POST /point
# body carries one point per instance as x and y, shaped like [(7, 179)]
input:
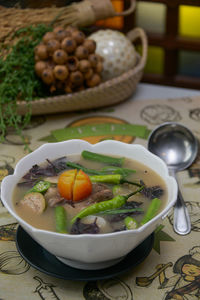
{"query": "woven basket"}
[(108, 93)]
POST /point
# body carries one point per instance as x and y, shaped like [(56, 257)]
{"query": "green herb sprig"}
[(18, 80)]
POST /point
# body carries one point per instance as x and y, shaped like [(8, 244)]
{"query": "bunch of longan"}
[(66, 60)]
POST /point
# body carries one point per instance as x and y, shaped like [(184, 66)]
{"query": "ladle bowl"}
[(178, 147)]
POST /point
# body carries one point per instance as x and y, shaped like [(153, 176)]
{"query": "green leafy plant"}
[(18, 80)]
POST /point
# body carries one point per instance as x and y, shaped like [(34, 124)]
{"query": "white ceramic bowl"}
[(88, 251)]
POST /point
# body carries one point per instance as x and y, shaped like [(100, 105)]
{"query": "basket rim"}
[(107, 84), (136, 70)]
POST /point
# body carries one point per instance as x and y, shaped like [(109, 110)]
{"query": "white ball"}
[(117, 50)]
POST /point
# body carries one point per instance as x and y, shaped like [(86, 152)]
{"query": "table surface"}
[(172, 269), (149, 91)]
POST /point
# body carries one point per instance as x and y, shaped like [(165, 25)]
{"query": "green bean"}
[(40, 187), (61, 219), (151, 211), (116, 161), (112, 178), (84, 169), (105, 170), (130, 223), (95, 208), (117, 170)]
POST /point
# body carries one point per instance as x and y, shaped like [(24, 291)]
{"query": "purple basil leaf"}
[(81, 228), (58, 165), (152, 192), (53, 168)]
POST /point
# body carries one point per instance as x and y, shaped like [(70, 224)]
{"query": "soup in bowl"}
[(89, 205)]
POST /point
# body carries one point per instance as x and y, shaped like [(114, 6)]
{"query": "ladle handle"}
[(182, 223)]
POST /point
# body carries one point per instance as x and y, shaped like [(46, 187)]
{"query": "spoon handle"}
[(182, 223)]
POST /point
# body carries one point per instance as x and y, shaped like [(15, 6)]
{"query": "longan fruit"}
[(57, 29), (84, 65), (90, 45), (60, 72), (68, 44), (71, 28), (60, 57), (50, 64), (81, 52), (47, 76), (52, 46), (88, 74), (40, 66), (99, 67), (93, 59), (41, 51), (60, 33), (94, 80), (72, 63), (76, 77), (48, 36), (79, 37)]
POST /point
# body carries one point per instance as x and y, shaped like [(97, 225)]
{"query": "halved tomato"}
[(66, 183), (82, 186), (74, 185)]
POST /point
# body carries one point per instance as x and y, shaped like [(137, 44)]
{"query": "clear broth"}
[(46, 220)]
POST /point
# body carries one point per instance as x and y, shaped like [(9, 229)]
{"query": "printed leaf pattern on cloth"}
[(160, 236)]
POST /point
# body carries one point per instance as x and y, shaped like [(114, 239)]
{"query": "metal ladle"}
[(178, 147)]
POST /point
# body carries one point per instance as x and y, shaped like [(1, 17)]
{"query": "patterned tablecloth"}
[(171, 271)]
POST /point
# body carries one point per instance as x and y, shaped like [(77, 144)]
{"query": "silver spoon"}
[(178, 147)]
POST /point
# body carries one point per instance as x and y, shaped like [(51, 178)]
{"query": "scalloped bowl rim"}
[(98, 147)]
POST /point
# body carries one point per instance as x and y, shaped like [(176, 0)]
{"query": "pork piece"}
[(53, 197), (52, 179), (100, 192)]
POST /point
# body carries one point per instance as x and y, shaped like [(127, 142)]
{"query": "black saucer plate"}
[(42, 260)]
